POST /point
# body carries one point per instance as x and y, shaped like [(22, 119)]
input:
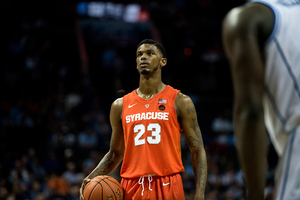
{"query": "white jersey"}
[(282, 76)]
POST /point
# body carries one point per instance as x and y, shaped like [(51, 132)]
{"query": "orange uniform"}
[(152, 138), (157, 187), (152, 135)]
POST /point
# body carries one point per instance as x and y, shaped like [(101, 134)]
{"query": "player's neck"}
[(149, 87)]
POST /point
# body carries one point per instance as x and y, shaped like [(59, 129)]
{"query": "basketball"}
[(103, 187)]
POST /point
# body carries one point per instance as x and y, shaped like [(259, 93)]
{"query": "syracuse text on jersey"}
[(147, 116)]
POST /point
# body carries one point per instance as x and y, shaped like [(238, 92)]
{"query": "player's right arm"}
[(117, 147), (245, 30)]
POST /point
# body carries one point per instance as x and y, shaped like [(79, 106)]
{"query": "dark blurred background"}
[(63, 63)]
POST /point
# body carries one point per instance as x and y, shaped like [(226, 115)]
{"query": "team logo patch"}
[(161, 107), (147, 105)]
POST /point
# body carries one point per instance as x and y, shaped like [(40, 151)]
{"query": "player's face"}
[(149, 59)]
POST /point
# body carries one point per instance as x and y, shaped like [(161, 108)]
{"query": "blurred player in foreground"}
[(146, 130), (262, 43)]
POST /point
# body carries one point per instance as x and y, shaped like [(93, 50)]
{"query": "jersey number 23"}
[(155, 137)]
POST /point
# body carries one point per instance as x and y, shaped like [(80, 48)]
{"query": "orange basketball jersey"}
[(152, 135)]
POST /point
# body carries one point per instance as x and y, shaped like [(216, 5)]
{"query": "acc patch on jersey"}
[(161, 107)]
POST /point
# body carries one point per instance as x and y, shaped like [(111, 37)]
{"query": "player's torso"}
[(282, 75), (152, 135)]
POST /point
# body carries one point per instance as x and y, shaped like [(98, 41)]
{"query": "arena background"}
[(64, 62)]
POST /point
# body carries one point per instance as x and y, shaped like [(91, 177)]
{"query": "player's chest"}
[(147, 111)]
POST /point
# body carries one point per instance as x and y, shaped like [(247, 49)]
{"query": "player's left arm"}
[(188, 118)]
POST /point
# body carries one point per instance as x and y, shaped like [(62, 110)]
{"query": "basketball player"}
[(146, 130), (262, 42)]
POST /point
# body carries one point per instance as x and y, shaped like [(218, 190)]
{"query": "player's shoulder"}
[(118, 103), (248, 15), (116, 109), (182, 97), (183, 104), (182, 100), (253, 19)]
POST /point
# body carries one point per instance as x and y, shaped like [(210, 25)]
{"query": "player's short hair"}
[(155, 43)]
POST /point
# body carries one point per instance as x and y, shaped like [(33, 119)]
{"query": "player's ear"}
[(163, 62)]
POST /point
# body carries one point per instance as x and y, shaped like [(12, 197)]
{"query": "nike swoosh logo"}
[(164, 184), (132, 105)]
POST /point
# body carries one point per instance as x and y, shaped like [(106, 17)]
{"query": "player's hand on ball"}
[(84, 182)]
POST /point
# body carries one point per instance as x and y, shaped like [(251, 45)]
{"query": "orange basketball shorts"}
[(153, 187)]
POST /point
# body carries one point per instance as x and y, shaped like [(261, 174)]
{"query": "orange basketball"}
[(103, 187)]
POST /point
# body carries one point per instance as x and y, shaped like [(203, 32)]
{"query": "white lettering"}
[(143, 116), (154, 115), (160, 115), (137, 117), (127, 118), (147, 116), (166, 115)]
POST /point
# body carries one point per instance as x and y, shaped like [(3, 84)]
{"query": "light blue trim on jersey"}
[(277, 20), (288, 163), (287, 65), (290, 3), (294, 79), (275, 107)]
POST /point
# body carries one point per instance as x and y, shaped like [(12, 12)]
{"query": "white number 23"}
[(155, 134)]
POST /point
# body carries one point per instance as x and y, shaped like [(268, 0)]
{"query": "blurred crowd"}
[(54, 118)]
